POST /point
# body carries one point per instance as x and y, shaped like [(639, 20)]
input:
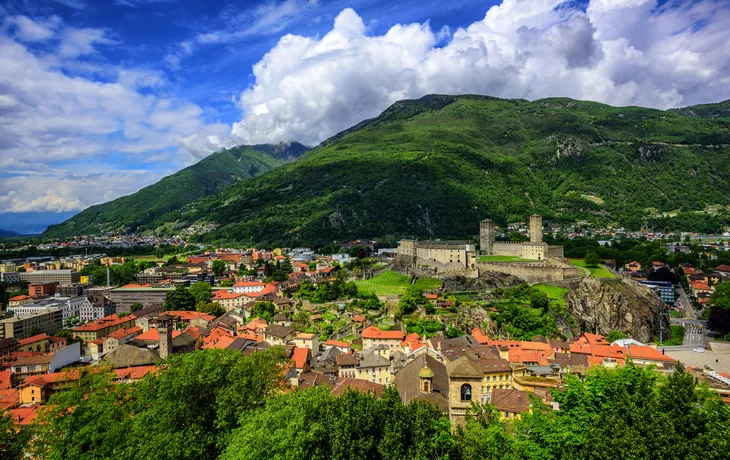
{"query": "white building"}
[(248, 286), (10, 277), (96, 307)]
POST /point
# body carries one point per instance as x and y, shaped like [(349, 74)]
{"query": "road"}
[(689, 312), (694, 335)]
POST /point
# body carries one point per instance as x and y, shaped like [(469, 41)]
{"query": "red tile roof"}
[(107, 321), (338, 343), (413, 341), (24, 415), (648, 353), (700, 286), (34, 338), (719, 268), (223, 295), (5, 380), (372, 332), (9, 398), (300, 356), (134, 373), (19, 297), (363, 386), (190, 315), (153, 335)]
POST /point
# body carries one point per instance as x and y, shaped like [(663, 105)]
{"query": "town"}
[(362, 318)]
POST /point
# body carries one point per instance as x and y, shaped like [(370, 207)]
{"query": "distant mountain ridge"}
[(436, 166), (7, 233), (141, 210)]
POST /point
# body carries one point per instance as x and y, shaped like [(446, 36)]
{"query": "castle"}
[(535, 249), (534, 261)]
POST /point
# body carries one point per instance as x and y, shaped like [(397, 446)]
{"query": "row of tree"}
[(220, 404)]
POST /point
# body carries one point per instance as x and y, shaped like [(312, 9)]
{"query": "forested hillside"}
[(141, 210), (438, 165)]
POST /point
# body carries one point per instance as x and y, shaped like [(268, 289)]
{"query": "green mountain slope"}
[(438, 165), (141, 210)]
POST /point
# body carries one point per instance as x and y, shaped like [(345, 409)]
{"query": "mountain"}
[(7, 233), (436, 166), (141, 210)]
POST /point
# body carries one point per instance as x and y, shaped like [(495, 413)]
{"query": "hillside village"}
[(342, 324)]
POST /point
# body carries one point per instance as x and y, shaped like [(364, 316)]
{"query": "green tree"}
[(412, 299), (614, 336), (721, 296), (218, 267), (136, 306), (453, 332), (13, 439), (263, 310), (180, 299), (592, 259), (213, 308), (539, 299), (202, 292)]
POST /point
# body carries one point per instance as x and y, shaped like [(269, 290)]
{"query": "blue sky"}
[(100, 98)]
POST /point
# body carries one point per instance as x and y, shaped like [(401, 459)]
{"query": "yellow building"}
[(510, 404), (497, 375)]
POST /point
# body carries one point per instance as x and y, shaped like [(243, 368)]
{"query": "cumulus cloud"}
[(69, 192), (620, 52), (78, 42)]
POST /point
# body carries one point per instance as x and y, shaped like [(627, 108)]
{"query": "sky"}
[(99, 98)]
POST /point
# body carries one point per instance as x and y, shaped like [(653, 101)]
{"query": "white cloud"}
[(79, 42), (69, 192), (619, 52), (28, 30)]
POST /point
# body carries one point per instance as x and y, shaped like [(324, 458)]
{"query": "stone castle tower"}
[(535, 229), (164, 328), (487, 236)]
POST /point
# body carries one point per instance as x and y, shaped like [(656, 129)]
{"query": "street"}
[(689, 312)]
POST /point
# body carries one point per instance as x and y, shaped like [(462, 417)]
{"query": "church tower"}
[(535, 229), (164, 328), (426, 379), (487, 235)]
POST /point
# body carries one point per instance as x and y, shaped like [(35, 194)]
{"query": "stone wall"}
[(531, 272), (507, 249), (556, 251)]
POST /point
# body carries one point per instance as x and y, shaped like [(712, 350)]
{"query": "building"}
[(372, 336), (278, 335), (19, 300), (7, 268), (96, 307), (10, 277), (442, 255), (22, 367), (48, 320), (43, 289), (249, 287), (307, 340), (497, 375), (49, 276), (148, 296), (465, 387), (535, 249), (510, 404), (101, 328), (664, 290)]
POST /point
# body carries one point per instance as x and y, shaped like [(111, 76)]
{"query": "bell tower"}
[(535, 229), (426, 378)]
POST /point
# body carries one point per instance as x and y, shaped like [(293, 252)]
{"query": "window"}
[(506, 415), (466, 392)]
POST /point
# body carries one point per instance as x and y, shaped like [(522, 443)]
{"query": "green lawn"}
[(504, 259), (677, 337), (554, 292), (392, 283), (596, 272)]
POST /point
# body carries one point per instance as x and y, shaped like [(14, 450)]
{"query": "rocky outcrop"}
[(486, 280), (601, 306)]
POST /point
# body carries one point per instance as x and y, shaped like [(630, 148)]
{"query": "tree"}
[(218, 267), (227, 283), (614, 336), (13, 439), (202, 292), (21, 269), (721, 295), (539, 299), (411, 300), (179, 299), (213, 308), (592, 259), (453, 332), (263, 310), (136, 306)]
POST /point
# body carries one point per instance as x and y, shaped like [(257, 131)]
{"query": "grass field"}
[(596, 272), (677, 337), (392, 283), (554, 292), (503, 259)]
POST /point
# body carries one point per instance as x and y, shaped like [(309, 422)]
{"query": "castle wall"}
[(556, 251), (531, 272), (507, 249)]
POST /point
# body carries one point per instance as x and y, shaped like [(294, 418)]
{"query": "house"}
[(343, 385), (307, 340), (281, 320), (23, 365), (510, 404), (96, 307), (278, 335), (103, 327), (301, 358), (119, 337), (374, 367), (229, 300), (412, 342), (7, 346), (39, 342), (347, 365), (344, 347), (19, 300), (372, 336), (700, 287), (643, 355), (497, 375)]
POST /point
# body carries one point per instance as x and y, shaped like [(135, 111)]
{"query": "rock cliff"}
[(601, 306), (486, 280)]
